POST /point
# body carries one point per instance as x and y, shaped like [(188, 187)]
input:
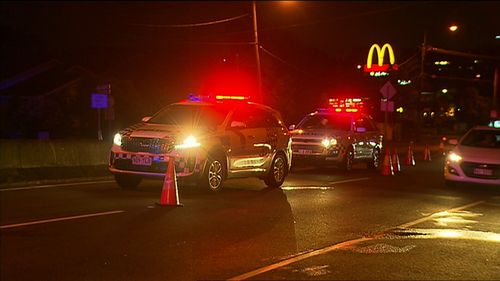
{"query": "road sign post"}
[(99, 101), (388, 91)]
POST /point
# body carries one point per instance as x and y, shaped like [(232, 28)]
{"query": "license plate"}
[(141, 160), (305, 151), (483, 172)]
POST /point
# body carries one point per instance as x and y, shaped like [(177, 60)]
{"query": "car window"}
[(189, 115), (248, 117), (270, 120), (364, 123), (331, 122), (482, 138)]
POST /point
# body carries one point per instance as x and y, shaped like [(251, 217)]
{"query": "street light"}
[(453, 27)]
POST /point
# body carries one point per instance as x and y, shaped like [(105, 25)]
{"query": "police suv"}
[(340, 134), (210, 138)]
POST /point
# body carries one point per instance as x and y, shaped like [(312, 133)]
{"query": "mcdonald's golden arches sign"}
[(380, 66)]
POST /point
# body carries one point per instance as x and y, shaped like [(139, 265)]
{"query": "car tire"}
[(214, 174), (127, 181), (374, 162), (277, 171), (348, 160)]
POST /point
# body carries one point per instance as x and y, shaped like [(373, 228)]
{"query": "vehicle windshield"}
[(329, 122), (482, 138), (190, 115)]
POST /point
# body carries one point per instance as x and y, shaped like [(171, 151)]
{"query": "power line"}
[(191, 24), (217, 43), (281, 60)]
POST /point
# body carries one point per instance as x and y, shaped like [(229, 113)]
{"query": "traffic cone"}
[(387, 164), (410, 159), (395, 161), (169, 194), (427, 153)]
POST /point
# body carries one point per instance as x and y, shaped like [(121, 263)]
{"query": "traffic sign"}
[(99, 100), (388, 90), (386, 106)]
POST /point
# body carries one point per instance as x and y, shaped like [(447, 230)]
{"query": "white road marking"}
[(341, 245), (438, 214), (60, 219), (313, 187), (302, 187), (349, 180), (54, 185), (299, 258)]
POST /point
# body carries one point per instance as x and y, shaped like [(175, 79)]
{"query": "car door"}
[(372, 135), (247, 135), (362, 128)]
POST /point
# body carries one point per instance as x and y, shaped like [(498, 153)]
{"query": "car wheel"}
[(127, 181), (374, 162), (214, 174), (277, 172), (348, 160)]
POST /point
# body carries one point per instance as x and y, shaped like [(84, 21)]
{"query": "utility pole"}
[(495, 87), (256, 42), (421, 81)]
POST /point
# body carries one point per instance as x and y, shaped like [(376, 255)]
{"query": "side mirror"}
[(238, 124), (146, 119), (453, 141), (292, 127), (360, 129)]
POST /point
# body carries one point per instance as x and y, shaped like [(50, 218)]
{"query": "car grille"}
[(314, 141), (150, 145), (181, 165), (471, 170), (314, 149)]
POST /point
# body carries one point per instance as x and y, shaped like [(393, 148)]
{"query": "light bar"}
[(220, 97), (350, 105)]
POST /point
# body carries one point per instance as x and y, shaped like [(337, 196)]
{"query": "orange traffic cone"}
[(169, 195), (427, 153), (410, 159), (395, 161), (387, 164)]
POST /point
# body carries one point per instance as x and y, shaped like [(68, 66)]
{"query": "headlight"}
[(117, 139), (328, 142), (454, 157), (189, 142)]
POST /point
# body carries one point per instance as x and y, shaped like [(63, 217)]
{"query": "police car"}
[(340, 134), (211, 139)]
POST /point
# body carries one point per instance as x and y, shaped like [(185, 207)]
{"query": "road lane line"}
[(349, 180), (306, 187), (60, 219), (317, 187), (299, 258), (406, 225), (341, 245), (54, 185)]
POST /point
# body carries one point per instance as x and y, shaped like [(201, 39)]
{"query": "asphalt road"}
[(323, 224)]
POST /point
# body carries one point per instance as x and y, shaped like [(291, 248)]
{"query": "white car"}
[(476, 157)]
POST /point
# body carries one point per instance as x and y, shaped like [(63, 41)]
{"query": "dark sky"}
[(148, 42)]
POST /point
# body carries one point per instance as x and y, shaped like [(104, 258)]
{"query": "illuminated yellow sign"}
[(380, 66)]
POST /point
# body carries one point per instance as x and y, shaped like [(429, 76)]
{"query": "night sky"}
[(167, 48)]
